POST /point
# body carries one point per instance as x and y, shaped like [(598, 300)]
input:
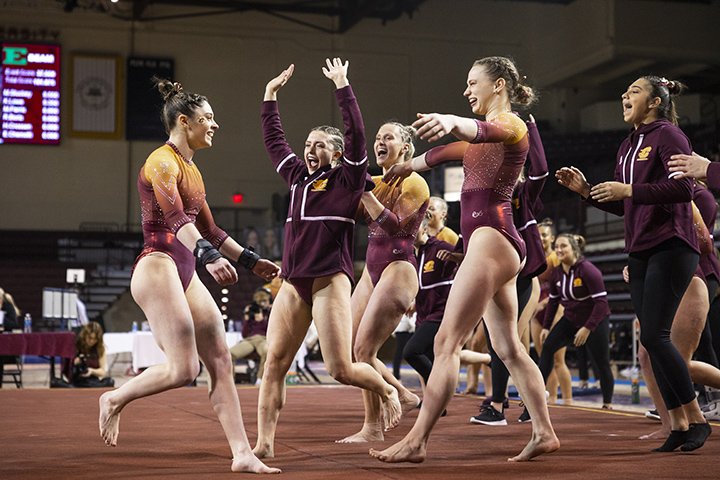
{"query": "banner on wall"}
[(142, 120), (96, 96)]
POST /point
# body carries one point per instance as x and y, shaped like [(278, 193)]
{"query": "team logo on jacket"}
[(319, 185), (643, 154), (429, 266), (578, 282)]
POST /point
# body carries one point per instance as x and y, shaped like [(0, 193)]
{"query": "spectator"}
[(254, 330), (90, 362), (270, 246)]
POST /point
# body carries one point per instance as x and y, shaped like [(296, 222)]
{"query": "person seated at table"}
[(10, 311), (10, 314), (254, 330), (90, 362)]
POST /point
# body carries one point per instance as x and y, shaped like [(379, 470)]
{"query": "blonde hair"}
[(503, 67), (577, 243), (407, 135)]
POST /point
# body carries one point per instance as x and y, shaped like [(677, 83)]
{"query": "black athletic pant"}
[(705, 351), (500, 374), (598, 345), (581, 354), (659, 277), (418, 350), (401, 338)]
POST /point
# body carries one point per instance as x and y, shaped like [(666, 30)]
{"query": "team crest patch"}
[(319, 185), (643, 154), (578, 282), (429, 266)]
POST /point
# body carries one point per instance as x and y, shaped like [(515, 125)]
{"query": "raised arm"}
[(286, 163), (355, 151)]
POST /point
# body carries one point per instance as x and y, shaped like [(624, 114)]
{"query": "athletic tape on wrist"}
[(205, 252), (248, 259)]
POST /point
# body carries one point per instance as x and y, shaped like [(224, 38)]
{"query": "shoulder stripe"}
[(357, 164), (280, 165), (524, 227), (539, 177)]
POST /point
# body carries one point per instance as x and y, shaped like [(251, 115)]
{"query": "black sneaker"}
[(652, 414), (524, 416), (489, 416)]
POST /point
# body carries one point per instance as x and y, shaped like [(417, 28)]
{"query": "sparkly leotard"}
[(391, 235), (172, 193), (491, 163)]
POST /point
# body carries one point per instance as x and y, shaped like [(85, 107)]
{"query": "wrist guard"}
[(205, 253), (248, 259)]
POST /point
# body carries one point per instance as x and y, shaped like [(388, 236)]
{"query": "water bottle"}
[(635, 390), (134, 327), (231, 326), (27, 323)]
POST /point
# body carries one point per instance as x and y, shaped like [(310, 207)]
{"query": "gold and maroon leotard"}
[(172, 193), (491, 163), (391, 235)]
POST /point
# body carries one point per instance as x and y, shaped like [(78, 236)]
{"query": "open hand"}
[(610, 191), (398, 171), (694, 166), (336, 71), (278, 82), (573, 179), (433, 126)]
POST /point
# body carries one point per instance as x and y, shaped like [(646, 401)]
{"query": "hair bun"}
[(167, 88)]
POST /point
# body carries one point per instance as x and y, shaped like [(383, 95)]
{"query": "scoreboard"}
[(30, 94)]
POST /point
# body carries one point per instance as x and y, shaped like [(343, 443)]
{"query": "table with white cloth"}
[(143, 348)]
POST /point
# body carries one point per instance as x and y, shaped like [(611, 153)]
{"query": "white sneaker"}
[(711, 411)]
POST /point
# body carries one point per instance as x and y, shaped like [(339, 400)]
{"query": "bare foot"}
[(109, 420), (400, 452), (659, 434), (369, 433), (249, 463), (263, 451), (470, 390), (409, 401), (392, 410), (537, 446)]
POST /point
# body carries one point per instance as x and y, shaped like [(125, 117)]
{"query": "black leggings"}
[(659, 277), (418, 350), (598, 345), (705, 351), (401, 338), (500, 374)]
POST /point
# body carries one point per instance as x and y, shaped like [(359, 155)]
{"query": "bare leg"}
[(477, 343), (391, 297), (210, 338), (524, 371), (527, 314), (290, 318), (331, 311), (562, 374), (157, 290), (470, 295), (474, 358)]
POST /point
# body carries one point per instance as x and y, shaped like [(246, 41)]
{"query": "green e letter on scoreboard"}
[(14, 56)]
